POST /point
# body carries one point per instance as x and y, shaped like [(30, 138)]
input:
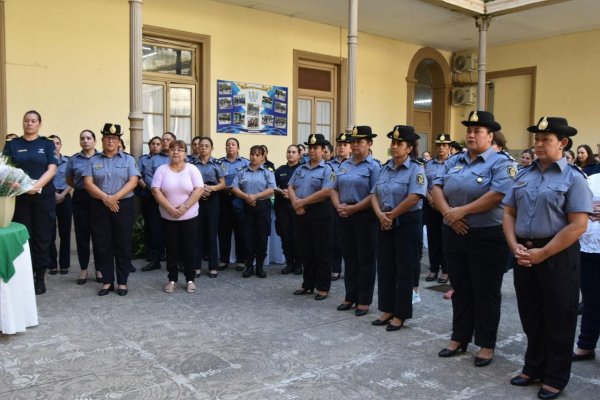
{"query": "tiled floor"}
[(251, 338)]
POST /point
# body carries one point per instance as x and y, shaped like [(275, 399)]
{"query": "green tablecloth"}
[(12, 239)]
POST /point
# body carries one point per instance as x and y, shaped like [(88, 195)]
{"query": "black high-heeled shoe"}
[(303, 291), (381, 322), (546, 394), (431, 277), (81, 281), (345, 306), (391, 327), (105, 291), (98, 277), (320, 297), (449, 353)]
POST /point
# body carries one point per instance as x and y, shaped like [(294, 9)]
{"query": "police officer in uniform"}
[(154, 223), (144, 191), (545, 213), (285, 216), (81, 203), (468, 195), (309, 191), (255, 185), (397, 201), (35, 209), (64, 215), (229, 217), (433, 218), (110, 178), (357, 225), (213, 176), (342, 150)]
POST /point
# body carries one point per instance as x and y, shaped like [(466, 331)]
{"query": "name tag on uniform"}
[(41, 151), (98, 166), (21, 150), (457, 168)]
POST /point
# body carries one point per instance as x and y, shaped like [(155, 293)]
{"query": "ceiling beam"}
[(467, 7), (503, 7)]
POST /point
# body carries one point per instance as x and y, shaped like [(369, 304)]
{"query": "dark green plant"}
[(139, 247)]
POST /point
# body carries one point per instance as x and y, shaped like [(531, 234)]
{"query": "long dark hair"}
[(590, 156)]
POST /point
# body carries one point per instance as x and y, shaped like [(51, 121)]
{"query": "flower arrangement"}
[(13, 181)]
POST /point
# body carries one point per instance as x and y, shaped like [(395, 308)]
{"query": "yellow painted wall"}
[(567, 81), (69, 60)]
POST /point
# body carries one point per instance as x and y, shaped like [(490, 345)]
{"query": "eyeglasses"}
[(177, 150)]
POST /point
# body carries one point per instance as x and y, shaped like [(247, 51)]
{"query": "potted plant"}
[(13, 182)]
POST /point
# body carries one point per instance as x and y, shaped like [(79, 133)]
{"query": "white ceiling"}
[(428, 24)]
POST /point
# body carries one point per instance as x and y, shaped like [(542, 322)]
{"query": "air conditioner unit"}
[(464, 95), (465, 62)]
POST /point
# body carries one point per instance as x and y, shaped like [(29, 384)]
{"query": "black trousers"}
[(153, 225), (434, 221), (64, 219), (256, 228), (113, 235), (83, 229), (590, 318), (229, 223), (548, 297), (315, 234), (207, 237), (357, 235), (397, 253), (37, 212), (476, 264), (181, 242), (417, 264), (285, 226), (336, 262)]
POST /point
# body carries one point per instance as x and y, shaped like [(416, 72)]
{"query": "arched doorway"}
[(428, 95)]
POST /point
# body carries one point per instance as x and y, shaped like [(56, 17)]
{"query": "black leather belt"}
[(534, 243)]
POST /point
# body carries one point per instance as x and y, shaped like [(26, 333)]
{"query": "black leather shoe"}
[(248, 272), (303, 291), (239, 268), (38, 283), (223, 266), (81, 281), (546, 394), (381, 322), (391, 327), (98, 278), (442, 280), (260, 273), (132, 268), (213, 274), (520, 380), (582, 357), (104, 292), (482, 362), (122, 292), (449, 353), (321, 296), (151, 266), (345, 306), (359, 313), (288, 269), (431, 278), (53, 271), (64, 271), (335, 276)]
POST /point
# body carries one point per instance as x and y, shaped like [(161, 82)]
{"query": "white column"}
[(352, 50), (483, 23), (3, 110), (136, 117)]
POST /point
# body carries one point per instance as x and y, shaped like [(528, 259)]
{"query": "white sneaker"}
[(190, 287), (170, 287), (416, 297)]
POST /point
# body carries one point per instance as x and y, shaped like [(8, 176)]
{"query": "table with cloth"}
[(18, 308)]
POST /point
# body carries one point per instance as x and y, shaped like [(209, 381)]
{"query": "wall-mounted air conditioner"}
[(464, 62), (464, 95)]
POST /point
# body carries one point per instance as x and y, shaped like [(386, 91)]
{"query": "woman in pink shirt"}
[(177, 186)]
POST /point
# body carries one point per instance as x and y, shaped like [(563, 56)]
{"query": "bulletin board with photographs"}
[(251, 108)]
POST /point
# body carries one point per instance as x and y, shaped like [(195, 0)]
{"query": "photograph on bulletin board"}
[(251, 108)]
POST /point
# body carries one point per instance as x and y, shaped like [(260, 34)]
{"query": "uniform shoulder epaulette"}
[(417, 161), (507, 155), (217, 161), (578, 169)]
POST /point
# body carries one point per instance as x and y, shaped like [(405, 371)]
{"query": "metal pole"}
[(482, 22), (136, 116), (352, 50)]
